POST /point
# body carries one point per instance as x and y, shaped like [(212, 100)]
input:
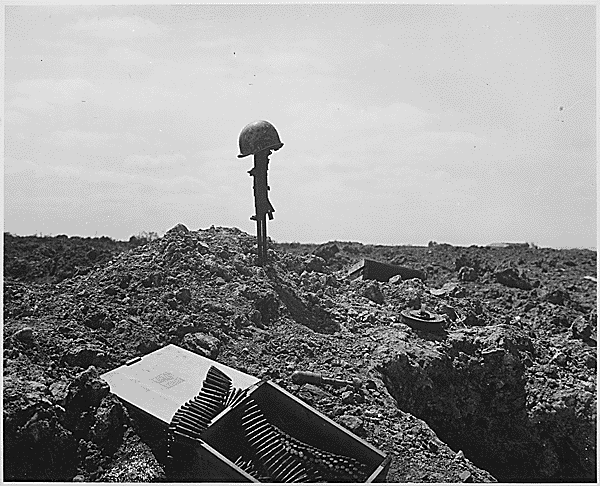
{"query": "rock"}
[(347, 397), (373, 293), (460, 456), (449, 311), (178, 228), (466, 477), (240, 321), (591, 361), (97, 320), (24, 335), (255, 317), (135, 464), (326, 251), (111, 290), (124, 281), (352, 423), (84, 355), (147, 345), (85, 393), (202, 344), (556, 296), (59, 390), (184, 295), (370, 385), (467, 274), (583, 329), (314, 263), (451, 289), (110, 418), (511, 278), (338, 410)]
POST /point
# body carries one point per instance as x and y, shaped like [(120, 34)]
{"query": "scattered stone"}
[(111, 290), (582, 328), (178, 228), (511, 278), (110, 418), (338, 410), (255, 317), (449, 311), (352, 423), (202, 344), (326, 251), (370, 385), (124, 281), (147, 344), (459, 456), (85, 392), (85, 355), (136, 463), (184, 295), (24, 335), (466, 477), (591, 361), (451, 289), (467, 274), (59, 390), (98, 320), (556, 296), (314, 263), (373, 293), (347, 397)]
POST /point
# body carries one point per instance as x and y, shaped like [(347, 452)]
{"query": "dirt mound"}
[(512, 375)]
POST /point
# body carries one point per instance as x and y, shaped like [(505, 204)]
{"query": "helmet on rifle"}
[(258, 136)]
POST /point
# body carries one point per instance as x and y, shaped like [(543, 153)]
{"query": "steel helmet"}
[(257, 136)]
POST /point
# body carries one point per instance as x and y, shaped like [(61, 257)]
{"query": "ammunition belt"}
[(194, 416), (279, 457)]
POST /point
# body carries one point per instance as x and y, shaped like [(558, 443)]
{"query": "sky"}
[(401, 124)]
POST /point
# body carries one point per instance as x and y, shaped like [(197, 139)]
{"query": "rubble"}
[(512, 278), (513, 376)]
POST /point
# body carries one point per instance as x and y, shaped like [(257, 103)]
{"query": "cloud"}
[(295, 61), (41, 94), (151, 95), (13, 117), (148, 162), (220, 42), (342, 117), (51, 176), (128, 57), (118, 27), (75, 138), (375, 48)]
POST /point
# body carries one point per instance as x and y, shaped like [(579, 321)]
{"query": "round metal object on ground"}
[(422, 319)]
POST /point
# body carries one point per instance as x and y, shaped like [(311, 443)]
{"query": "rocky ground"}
[(506, 392)]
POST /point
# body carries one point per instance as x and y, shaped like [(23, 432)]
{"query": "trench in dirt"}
[(481, 410)]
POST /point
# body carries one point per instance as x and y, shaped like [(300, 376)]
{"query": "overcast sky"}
[(401, 124)]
